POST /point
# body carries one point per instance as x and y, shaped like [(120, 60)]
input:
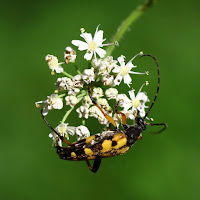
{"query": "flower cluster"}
[(103, 75)]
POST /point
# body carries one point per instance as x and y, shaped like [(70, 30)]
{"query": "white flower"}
[(117, 119), (92, 45), (55, 102), (64, 83), (54, 64), (137, 102), (96, 62), (97, 92), (73, 91), (103, 120), (78, 81), (108, 110), (64, 130), (55, 139), (71, 100), (52, 102), (108, 80), (83, 111), (124, 70), (88, 75), (69, 55), (82, 132), (87, 101), (94, 111), (122, 99), (111, 93), (102, 102), (107, 65)]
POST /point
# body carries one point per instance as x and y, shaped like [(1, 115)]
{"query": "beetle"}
[(108, 143)]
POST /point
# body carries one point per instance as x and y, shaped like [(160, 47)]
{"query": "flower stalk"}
[(80, 97), (133, 17), (66, 74)]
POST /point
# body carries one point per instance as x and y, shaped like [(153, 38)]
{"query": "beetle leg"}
[(61, 137), (96, 165), (109, 118), (160, 124)]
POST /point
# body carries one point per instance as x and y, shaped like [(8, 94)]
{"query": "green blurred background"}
[(165, 166)]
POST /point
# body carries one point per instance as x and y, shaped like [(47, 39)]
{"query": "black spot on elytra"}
[(114, 143)]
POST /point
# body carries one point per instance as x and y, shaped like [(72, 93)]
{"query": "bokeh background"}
[(165, 166)]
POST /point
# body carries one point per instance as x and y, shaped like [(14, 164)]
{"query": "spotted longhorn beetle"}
[(108, 143)]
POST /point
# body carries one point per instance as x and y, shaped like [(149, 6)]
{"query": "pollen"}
[(124, 70), (92, 46), (136, 103)]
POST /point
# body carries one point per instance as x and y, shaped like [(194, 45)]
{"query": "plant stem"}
[(80, 97), (77, 69), (135, 14), (66, 74), (61, 95), (83, 122), (67, 114)]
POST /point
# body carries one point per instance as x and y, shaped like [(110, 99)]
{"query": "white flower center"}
[(62, 129), (53, 63), (124, 70), (135, 103), (92, 46)]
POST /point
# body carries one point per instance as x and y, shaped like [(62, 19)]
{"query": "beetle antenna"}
[(158, 86), (60, 136)]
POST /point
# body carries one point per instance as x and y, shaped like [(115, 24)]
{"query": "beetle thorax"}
[(132, 132)]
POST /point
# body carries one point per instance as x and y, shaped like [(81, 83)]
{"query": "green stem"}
[(79, 97), (77, 69), (61, 95), (127, 23), (66, 74), (67, 114)]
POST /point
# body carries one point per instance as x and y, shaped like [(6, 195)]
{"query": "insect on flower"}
[(109, 143)]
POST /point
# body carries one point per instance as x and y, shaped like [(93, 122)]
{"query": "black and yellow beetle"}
[(108, 143)]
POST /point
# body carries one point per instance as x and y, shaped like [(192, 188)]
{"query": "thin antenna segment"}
[(158, 86)]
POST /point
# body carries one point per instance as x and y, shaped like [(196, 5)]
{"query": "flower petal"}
[(116, 69), (132, 94), (97, 29), (127, 79), (87, 37), (81, 45), (142, 96), (130, 65), (121, 60), (88, 55), (118, 79), (127, 105), (101, 52), (142, 111), (71, 130), (58, 69), (98, 38), (45, 109)]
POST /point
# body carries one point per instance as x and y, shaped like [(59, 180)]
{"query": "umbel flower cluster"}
[(103, 74)]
